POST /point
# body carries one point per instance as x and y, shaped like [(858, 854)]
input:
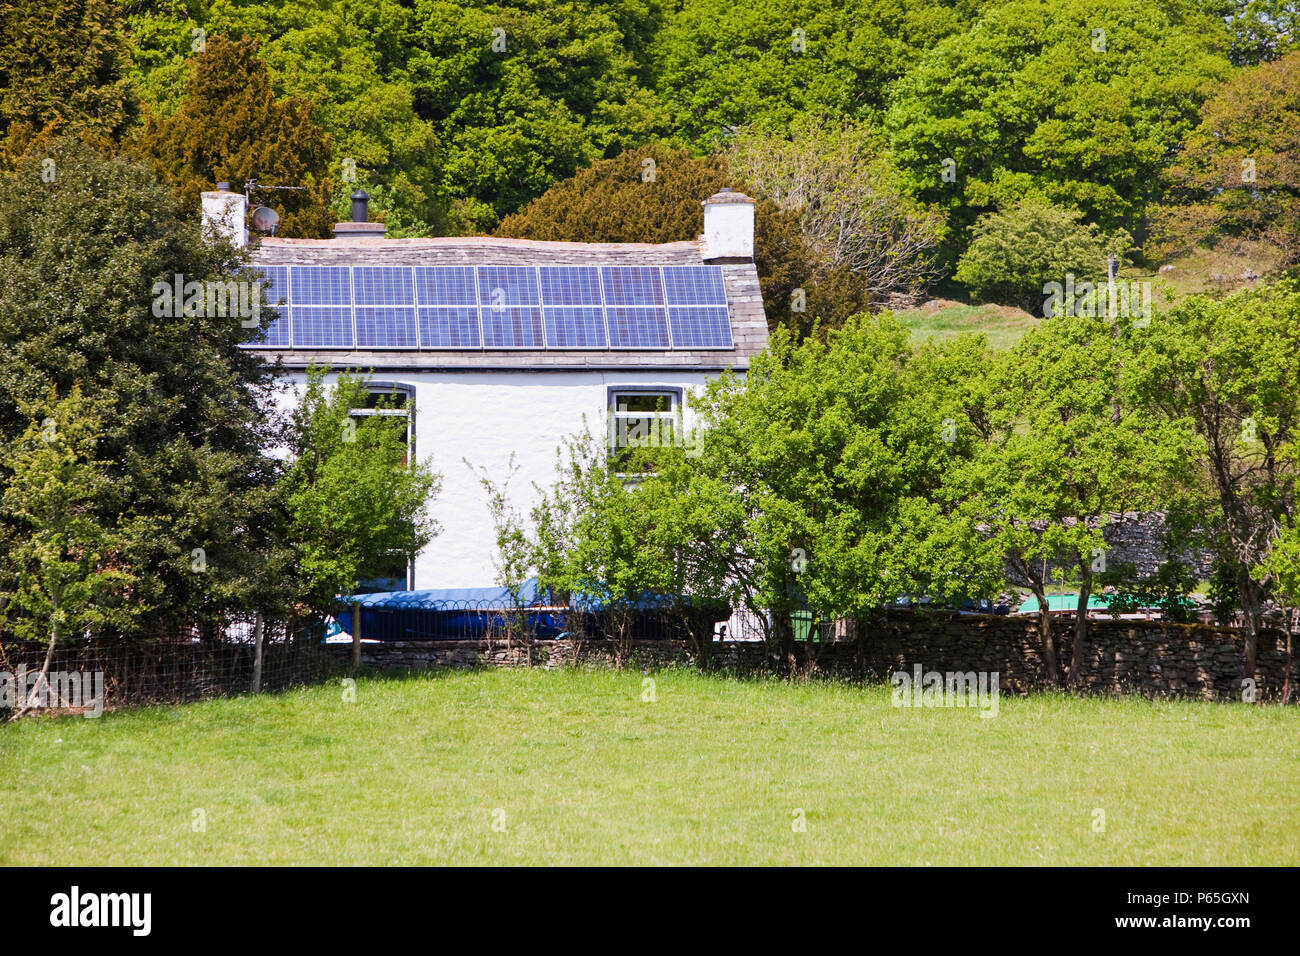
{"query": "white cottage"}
[(501, 347)]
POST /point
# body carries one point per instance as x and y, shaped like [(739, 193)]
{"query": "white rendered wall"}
[(484, 417)]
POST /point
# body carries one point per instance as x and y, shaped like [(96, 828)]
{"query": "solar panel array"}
[(497, 307)]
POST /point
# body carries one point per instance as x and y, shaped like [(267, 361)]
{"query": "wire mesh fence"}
[(89, 674)]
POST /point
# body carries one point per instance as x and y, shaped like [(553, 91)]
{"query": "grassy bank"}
[(575, 767)]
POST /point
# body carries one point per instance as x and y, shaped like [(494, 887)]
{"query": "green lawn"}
[(711, 771), (943, 319)]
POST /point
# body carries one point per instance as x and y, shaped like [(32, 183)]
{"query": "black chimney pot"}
[(360, 206)]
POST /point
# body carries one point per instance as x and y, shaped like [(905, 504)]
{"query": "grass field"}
[(943, 319), (575, 767)]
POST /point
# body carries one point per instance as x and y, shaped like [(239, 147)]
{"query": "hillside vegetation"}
[(884, 136)]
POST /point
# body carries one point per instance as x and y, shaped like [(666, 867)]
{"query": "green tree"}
[(719, 69), (347, 58), (1227, 370), (597, 541), (1280, 573), (523, 94), (1166, 589), (1262, 30), (231, 126), (1013, 254), (160, 36), (1034, 100), (516, 552), (1282, 565), (186, 410), (815, 485), (351, 498), (66, 568), (1238, 172), (1063, 442), (62, 68)]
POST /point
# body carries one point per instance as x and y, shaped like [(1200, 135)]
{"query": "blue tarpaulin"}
[(440, 599), (450, 613), (473, 613)]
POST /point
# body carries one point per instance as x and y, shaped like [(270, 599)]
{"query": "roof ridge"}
[(472, 241)]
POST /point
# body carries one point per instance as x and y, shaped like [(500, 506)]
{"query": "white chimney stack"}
[(225, 216), (728, 227)]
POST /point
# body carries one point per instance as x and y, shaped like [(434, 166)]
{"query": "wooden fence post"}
[(356, 635), (258, 632)]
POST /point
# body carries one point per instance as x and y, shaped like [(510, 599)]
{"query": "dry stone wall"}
[(1153, 658), (1138, 537)]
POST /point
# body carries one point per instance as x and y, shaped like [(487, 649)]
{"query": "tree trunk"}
[(356, 635), (1250, 612), (621, 620), (1080, 623), (43, 677), (1045, 629), (1286, 677), (784, 634), (258, 641), (701, 634)]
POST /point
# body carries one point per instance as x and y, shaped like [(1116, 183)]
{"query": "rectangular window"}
[(639, 419), (395, 404)]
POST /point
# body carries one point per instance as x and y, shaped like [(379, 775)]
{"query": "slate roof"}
[(744, 301)]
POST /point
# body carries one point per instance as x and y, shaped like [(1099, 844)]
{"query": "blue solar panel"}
[(694, 285), (512, 328), (445, 285), (637, 328), (455, 328), (576, 327), (277, 331), (522, 307), (632, 285), (383, 285), (273, 282), (570, 285), (700, 327), (386, 327), (507, 285), (274, 285), (322, 327), (321, 285)]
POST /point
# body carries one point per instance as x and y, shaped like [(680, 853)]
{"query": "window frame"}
[(674, 414), (407, 411)]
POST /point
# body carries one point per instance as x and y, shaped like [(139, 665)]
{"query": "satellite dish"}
[(265, 219)]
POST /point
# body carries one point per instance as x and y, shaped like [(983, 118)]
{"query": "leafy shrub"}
[(1014, 253)]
